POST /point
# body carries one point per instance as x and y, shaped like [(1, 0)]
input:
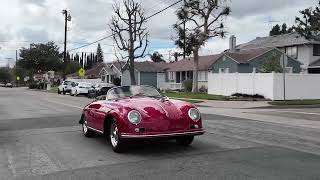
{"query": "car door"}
[(96, 115)]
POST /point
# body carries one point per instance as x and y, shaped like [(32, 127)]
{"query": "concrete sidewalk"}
[(234, 104)]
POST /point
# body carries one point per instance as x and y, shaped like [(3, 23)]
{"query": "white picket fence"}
[(270, 85)]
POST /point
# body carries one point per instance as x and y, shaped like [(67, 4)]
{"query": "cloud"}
[(42, 20)]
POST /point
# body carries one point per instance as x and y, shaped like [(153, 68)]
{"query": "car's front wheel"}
[(86, 131), (184, 140), (115, 140)]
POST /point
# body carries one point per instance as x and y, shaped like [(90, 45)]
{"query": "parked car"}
[(65, 87), (80, 88), (140, 112), (99, 89), (2, 84), (9, 85)]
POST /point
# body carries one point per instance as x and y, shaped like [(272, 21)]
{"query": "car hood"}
[(156, 108)]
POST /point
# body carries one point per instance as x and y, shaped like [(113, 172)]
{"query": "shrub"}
[(257, 96), (117, 81), (188, 85), (203, 89), (41, 85), (33, 86)]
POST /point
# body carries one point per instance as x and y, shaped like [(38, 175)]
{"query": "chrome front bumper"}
[(162, 135)]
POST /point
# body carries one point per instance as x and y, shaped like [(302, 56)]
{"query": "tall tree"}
[(99, 53), (203, 20), (72, 67), (308, 25), (272, 65), (157, 57), (129, 32), (40, 57), (275, 30), (5, 75)]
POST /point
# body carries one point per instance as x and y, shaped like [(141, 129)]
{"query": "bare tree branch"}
[(129, 31)]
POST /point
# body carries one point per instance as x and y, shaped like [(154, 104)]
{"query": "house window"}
[(292, 51), (103, 78), (178, 80), (108, 81), (171, 76), (316, 49), (202, 76), (223, 70)]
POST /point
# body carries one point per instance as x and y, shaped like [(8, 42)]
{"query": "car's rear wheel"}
[(115, 140), (86, 131), (184, 140)]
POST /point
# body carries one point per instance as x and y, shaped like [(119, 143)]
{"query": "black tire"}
[(85, 130), (63, 92), (117, 146), (184, 140)]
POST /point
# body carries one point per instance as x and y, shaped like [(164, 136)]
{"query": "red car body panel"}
[(160, 118)]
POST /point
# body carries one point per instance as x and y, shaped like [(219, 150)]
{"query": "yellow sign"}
[(18, 78), (82, 72)]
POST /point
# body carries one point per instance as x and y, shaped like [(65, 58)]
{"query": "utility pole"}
[(184, 39), (284, 76), (67, 17)]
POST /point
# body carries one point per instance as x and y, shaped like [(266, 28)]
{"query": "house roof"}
[(244, 56), (149, 66), (277, 41), (315, 64), (187, 64), (95, 70)]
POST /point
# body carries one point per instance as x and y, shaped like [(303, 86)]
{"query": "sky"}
[(39, 21)]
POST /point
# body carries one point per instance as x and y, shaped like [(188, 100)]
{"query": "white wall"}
[(270, 85)]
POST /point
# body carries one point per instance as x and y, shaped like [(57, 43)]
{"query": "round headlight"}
[(194, 114), (134, 117)]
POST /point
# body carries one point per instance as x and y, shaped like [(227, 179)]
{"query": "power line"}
[(112, 35)]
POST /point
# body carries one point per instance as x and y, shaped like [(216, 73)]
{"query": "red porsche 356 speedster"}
[(140, 112)]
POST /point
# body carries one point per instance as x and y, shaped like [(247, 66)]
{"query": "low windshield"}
[(132, 91)]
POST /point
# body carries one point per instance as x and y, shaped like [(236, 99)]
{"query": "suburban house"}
[(104, 71), (252, 60), (110, 71), (146, 73), (182, 70), (297, 47)]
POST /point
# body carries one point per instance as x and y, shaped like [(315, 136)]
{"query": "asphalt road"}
[(40, 139)]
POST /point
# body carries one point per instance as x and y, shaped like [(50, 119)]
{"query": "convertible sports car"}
[(140, 112)]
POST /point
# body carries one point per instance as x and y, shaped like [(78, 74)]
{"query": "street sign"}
[(82, 72), (18, 78)]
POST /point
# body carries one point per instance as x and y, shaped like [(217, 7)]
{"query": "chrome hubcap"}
[(85, 128), (114, 135)]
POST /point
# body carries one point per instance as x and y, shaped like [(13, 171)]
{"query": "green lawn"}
[(295, 102), (189, 100), (185, 95)]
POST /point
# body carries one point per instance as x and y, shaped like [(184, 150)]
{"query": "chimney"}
[(232, 43)]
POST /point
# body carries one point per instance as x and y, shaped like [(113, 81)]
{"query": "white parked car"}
[(65, 87), (80, 88)]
